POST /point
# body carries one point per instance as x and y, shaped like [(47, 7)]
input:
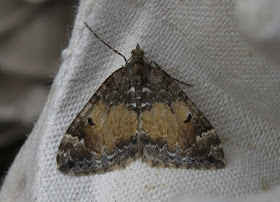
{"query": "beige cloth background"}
[(197, 42)]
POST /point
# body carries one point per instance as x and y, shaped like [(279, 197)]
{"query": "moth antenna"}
[(106, 43), (152, 62)]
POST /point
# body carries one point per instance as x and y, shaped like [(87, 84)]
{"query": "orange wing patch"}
[(187, 134), (99, 139), (167, 124), (110, 128), (179, 135)]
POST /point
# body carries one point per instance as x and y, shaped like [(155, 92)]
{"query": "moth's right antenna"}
[(106, 43)]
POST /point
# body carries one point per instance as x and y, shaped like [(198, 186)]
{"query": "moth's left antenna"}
[(106, 43)]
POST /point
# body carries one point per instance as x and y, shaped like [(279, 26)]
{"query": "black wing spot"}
[(189, 118), (90, 121)]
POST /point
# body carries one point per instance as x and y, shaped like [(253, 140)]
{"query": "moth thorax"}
[(137, 55)]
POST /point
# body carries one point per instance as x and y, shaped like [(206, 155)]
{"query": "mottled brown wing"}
[(174, 131), (104, 134)]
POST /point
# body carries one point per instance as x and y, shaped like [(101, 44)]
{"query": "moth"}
[(139, 111)]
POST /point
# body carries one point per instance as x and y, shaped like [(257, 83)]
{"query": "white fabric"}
[(194, 41)]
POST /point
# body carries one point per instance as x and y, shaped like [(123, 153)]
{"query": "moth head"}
[(137, 54)]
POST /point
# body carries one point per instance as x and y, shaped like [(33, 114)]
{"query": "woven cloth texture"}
[(196, 42)]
